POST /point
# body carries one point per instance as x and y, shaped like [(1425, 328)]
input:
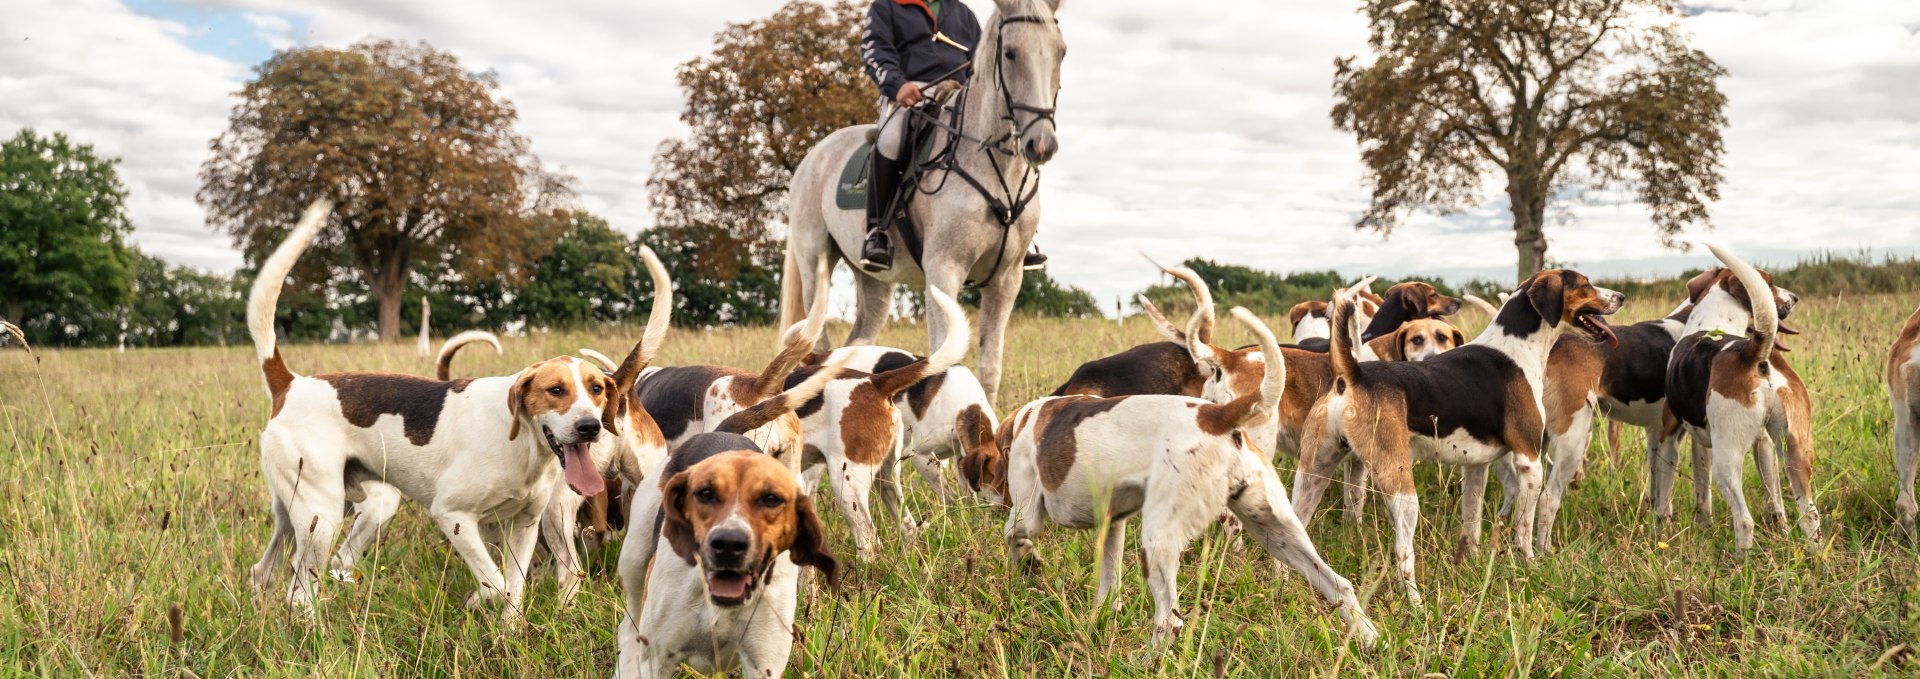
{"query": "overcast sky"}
[(1187, 128)]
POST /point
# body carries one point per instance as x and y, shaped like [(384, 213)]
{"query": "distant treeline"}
[(1265, 292)]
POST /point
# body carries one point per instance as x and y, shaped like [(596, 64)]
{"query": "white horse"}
[(975, 215)]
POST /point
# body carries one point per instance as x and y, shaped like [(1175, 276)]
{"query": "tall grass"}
[(130, 485)]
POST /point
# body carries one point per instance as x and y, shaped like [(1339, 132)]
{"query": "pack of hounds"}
[(720, 463)]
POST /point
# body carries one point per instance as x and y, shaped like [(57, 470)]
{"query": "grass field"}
[(130, 485)]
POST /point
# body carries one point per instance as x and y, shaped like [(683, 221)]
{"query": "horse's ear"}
[(1054, 5)]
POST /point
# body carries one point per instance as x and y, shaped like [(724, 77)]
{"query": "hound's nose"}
[(728, 547), (588, 429)]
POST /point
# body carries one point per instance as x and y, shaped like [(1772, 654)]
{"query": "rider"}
[(906, 44)]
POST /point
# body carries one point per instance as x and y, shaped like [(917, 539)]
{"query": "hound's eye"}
[(1417, 341), (706, 496), (771, 500), (597, 389), (558, 391)]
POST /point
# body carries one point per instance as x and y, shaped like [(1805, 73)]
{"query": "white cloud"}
[(1188, 129)]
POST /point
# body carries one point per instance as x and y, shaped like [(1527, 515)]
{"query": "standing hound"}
[(740, 527), (929, 410), (689, 400), (1903, 385), (1177, 461), (853, 431), (1470, 406), (1729, 384), (456, 447)]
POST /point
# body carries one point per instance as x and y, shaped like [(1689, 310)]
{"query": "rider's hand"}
[(908, 95)]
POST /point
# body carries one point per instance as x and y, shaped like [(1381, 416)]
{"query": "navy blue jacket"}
[(897, 46)]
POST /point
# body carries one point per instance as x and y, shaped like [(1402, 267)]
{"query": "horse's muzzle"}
[(1040, 147)]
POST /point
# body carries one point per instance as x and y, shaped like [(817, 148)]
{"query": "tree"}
[(1041, 295), (418, 154), (583, 280), (745, 293), (63, 218), (770, 90), (1555, 94)]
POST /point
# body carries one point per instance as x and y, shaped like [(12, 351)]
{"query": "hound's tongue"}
[(727, 584), (1600, 325), (582, 477)]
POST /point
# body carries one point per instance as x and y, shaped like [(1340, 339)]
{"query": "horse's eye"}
[(1010, 54), (557, 391), (706, 496), (772, 500)]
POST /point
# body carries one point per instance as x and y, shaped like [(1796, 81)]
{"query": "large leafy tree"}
[(770, 90), (1555, 95), (583, 280), (419, 155), (63, 220)]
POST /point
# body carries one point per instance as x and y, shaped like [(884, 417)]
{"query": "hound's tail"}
[(1482, 304), (784, 402), (266, 295), (951, 350), (1249, 407), (443, 366), (1203, 318), (605, 363), (1167, 329), (13, 331), (790, 300), (1345, 366), (1766, 313), (797, 341)]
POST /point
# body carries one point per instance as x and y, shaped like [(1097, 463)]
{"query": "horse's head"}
[(1026, 58)]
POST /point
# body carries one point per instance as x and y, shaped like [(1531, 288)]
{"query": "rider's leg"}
[(883, 181)]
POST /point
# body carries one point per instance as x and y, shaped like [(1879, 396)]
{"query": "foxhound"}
[(1176, 461), (929, 410), (1903, 386), (853, 431), (740, 529), (1728, 384), (482, 455), (1470, 407)]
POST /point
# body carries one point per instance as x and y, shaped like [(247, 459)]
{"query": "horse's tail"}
[(791, 305)]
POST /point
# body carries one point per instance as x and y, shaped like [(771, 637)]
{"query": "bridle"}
[(1011, 202)]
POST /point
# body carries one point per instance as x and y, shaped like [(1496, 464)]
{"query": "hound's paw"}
[(1165, 630), (346, 575)]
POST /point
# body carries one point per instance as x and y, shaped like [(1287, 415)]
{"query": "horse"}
[(970, 230)]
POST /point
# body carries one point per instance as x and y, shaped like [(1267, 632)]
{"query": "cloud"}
[(1187, 129)]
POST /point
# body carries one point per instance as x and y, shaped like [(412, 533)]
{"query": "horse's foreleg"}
[(996, 306), (876, 296)]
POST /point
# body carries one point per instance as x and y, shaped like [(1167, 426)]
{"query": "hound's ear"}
[(809, 546), (1697, 286), (1397, 345), (1294, 315), (674, 525), (516, 407), (1459, 338), (976, 431), (1549, 297)]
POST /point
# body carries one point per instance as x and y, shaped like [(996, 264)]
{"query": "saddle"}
[(856, 176)]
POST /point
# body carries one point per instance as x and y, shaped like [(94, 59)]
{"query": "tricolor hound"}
[(1471, 406), (1178, 462), (1729, 384), (740, 528), (481, 455), (929, 410)]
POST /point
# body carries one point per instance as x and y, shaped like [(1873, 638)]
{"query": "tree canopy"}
[(63, 221), (418, 154), (1553, 94)]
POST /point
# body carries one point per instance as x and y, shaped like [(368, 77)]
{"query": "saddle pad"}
[(851, 193)]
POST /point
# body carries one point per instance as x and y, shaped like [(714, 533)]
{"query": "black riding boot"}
[(883, 181)]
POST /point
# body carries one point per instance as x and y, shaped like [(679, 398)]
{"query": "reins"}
[(1012, 201)]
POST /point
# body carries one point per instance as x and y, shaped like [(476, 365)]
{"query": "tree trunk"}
[(14, 310), (1528, 196), (389, 286)]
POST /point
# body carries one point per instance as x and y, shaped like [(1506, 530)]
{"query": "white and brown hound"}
[(1903, 386), (853, 431), (1471, 407), (740, 529), (1729, 384), (482, 455), (929, 410), (1176, 461)]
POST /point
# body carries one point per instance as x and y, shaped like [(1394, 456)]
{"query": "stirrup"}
[(1033, 261)]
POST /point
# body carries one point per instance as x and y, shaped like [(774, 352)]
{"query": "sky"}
[(1186, 129)]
